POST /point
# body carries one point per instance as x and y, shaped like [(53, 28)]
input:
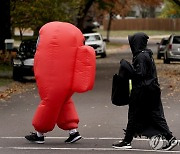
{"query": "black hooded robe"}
[(145, 115)]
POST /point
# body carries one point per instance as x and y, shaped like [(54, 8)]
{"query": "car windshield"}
[(164, 42), (27, 49), (176, 40), (92, 38)]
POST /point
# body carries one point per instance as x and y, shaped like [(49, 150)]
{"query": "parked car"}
[(172, 50), (24, 60), (161, 47), (96, 41)]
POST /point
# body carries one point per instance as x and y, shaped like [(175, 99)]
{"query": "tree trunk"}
[(109, 25), (5, 30), (152, 13), (81, 17), (21, 34)]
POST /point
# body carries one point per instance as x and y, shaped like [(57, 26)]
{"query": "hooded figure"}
[(145, 115)]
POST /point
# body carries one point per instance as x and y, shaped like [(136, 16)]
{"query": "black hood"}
[(138, 42)]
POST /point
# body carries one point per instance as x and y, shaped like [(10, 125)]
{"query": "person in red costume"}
[(62, 65)]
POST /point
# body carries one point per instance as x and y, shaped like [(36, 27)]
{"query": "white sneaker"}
[(171, 144)]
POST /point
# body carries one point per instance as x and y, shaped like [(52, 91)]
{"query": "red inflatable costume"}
[(63, 65)]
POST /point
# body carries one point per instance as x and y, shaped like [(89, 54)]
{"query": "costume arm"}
[(126, 69), (84, 71)]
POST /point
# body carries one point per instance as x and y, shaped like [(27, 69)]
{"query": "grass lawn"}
[(4, 68), (125, 33), (4, 82)]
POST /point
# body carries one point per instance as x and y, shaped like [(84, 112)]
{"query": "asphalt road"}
[(101, 123)]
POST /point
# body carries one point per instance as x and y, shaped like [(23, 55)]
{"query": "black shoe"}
[(34, 138), (171, 144), (122, 144), (73, 138)]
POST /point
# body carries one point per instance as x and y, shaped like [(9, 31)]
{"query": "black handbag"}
[(120, 84), (120, 91)]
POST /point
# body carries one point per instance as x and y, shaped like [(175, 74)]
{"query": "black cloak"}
[(145, 115)]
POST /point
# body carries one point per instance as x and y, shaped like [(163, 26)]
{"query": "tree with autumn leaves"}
[(171, 9), (27, 13), (123, 7), (34, 14), (147, 7)]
